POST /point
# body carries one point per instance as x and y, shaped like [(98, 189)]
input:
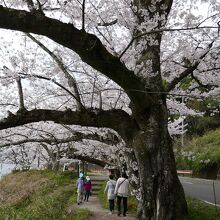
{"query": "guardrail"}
[(185, 172)]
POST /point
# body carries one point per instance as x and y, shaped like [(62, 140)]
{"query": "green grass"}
[(52, 198), (202, 211), (102, 196)]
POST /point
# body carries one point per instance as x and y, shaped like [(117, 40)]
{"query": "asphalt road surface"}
[(202, 189)]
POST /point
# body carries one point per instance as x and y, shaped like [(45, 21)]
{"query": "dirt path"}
[(99, 212)]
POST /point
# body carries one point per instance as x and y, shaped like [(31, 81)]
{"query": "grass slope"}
[(34, 195)]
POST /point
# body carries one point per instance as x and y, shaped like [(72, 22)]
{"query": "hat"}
[(88, 178)]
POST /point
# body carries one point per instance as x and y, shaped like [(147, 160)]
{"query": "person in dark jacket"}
[(88, 188)]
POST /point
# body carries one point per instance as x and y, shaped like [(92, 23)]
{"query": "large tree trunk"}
[(161, 193)]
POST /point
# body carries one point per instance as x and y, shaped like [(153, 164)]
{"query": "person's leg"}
[(125, 207), (78, 197), (85, 196), (111, 205), (81, 197), (88, 194), (119, 204)]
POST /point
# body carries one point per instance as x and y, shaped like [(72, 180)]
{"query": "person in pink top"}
[(88, 188)]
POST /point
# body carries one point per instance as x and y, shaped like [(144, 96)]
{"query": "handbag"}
[(119, 186)]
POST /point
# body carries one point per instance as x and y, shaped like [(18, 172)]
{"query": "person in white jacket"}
[(122, 192), (110, 189)]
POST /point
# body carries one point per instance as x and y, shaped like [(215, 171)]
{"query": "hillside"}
[(202, 155), (39, 195)]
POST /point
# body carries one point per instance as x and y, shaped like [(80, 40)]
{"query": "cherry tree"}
[(111, 64), (45, 144)]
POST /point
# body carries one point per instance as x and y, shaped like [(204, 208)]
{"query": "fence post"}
[(213, 185)]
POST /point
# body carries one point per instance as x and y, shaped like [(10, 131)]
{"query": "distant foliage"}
[(201, 125), (202, 155)]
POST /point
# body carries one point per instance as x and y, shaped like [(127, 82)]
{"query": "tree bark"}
[(161, 196), (161, 193)]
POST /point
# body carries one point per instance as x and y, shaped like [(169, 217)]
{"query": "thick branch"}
[(78, 136), (21, 95), (88, 159), (33, 8), (83, 14), (86, 45), (49, 152), (30, 5), (118, 120), (106, 24)]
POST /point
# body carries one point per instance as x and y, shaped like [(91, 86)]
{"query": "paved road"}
[(201, 189)]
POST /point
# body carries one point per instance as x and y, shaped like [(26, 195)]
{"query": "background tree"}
[(45, 144)]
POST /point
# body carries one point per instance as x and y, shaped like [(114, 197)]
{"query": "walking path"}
[(94, 205), (99, 212)]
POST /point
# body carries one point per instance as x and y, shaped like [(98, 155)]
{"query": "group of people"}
[(119, 189), (115, 189), (83, 187)]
